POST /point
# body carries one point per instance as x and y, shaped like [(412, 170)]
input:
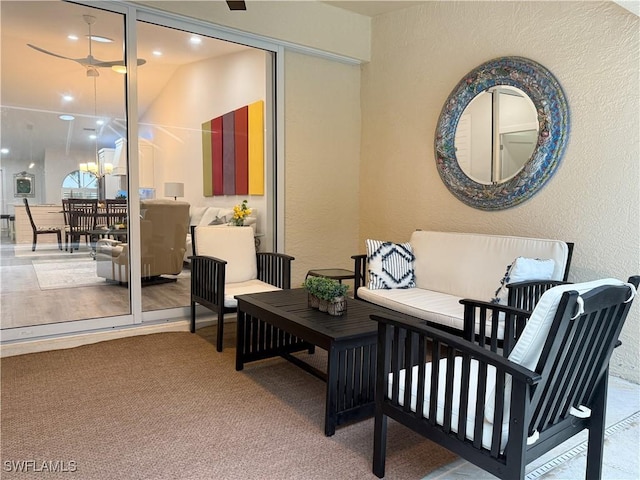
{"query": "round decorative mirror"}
[(501, 133)]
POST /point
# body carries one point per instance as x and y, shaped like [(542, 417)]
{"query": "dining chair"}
[(82, 220), (41, 230)]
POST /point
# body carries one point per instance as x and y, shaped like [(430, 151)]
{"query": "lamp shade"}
[(174, 189)]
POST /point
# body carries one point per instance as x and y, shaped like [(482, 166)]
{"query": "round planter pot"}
[(337, 306)]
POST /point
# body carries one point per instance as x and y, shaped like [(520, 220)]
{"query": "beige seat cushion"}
[(244, 288)]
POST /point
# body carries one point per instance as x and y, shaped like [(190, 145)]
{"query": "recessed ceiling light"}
[(31, 165), (4, 151), (99, 39), (72, 37), (93, 136), (195, 40), (99, 122), (157, 53), (67, 98), (66, 118)]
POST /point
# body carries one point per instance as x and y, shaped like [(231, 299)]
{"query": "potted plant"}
[(330, 294), (310, 285)]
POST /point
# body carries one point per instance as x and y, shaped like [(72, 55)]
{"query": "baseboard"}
[(71, 341), (77, 340)]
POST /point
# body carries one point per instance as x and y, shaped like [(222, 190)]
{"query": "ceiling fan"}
[(236, 5), (89, 62)]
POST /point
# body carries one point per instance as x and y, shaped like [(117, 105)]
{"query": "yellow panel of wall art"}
[(256, 148)]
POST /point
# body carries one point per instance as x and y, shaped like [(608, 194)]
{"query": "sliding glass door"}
[(110, 144), (191, 82), (63, 108)]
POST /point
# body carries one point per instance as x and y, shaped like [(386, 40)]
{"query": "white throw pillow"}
[(209, 216), (195, 214), (521, 270), (390, 265)]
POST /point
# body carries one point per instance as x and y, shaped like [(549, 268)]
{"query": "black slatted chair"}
[(226, 264), (41, 230), (502, 406)]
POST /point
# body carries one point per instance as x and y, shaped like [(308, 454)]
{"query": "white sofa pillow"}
[(209, 216), (195, 214), (521, 270), (390, 265)]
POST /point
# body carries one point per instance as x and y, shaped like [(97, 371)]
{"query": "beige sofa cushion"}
[(469, 265)]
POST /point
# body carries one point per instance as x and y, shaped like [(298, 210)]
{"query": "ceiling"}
[(33, 83), (372, 9)]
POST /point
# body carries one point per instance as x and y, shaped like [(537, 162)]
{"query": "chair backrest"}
[(235, 245), (65, 211), (116, 211), (82, 214), (26, 206), (569, 340), (163, 234)]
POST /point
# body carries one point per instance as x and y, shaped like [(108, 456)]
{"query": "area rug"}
[(54, 274), (168, 406)]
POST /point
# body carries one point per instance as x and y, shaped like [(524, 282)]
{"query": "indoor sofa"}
[(429, 275)]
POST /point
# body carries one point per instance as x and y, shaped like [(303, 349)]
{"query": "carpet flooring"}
[(168, 406)]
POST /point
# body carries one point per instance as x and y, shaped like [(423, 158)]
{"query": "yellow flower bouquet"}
[(240, 212)]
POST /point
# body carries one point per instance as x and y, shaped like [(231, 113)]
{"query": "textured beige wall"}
[(322, 148), (419, 54)]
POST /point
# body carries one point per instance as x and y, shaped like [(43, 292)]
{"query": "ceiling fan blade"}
[(97, 63), (79, 60), (236, 5)]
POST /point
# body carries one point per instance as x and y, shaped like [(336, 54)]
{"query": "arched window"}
[(79, 184)]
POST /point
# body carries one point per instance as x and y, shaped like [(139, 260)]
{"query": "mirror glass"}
[(501, 133), (496, 134)]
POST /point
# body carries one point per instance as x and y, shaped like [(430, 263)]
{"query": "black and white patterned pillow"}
[(390, 265)]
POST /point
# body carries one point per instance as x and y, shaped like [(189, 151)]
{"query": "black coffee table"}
[(279, 323)]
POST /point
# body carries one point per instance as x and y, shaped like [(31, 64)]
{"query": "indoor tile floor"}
[(568, 461)]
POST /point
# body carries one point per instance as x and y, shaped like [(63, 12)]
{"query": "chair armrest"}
[(525, 295), (487, 317), (207, 279), (275, 269), (360, 272), (459, 345)]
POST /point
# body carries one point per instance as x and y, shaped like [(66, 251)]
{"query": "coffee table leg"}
[(240, 340), (331, 403)]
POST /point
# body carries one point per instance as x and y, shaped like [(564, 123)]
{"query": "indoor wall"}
[(418, 56), (206, 90)]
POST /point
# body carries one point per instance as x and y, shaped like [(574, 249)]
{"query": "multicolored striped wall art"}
[(233, 152)]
